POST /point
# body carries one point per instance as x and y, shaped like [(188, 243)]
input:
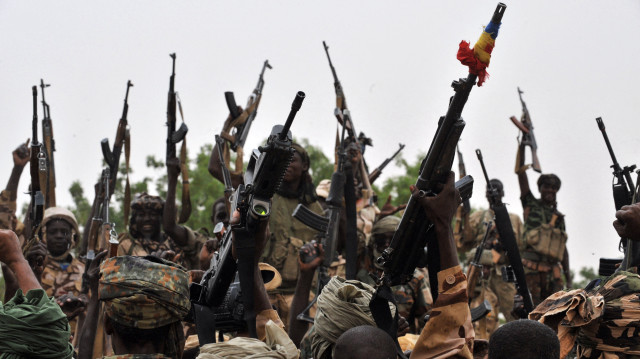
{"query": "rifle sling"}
[(379, 306)]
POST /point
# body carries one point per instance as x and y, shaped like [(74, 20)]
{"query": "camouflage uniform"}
[(414, 299), (498, 292), (137, 356), (146, 293), (543, 273), (603, 322)]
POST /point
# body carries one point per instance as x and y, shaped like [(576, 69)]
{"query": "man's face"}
[(295, 169), (148, 222), (220, 214), (548, 193), (58, 236)]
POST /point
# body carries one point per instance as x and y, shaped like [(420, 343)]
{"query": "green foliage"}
[(587, 274), (205, 190), (321, 166), (398, 186), (82, 207)]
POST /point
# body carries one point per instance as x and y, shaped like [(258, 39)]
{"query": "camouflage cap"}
[(144, 292), (147, 201), (60, 213), (385, 225)]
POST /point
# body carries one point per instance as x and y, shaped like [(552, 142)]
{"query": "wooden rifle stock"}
[(49, 148)]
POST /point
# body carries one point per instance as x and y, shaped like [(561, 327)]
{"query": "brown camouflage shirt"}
[(62, 278)]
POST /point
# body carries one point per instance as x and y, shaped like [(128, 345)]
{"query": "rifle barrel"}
[(616, 166), (295, 107)]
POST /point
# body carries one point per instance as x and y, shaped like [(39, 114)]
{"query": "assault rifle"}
[(242, 121), (173, 136), (415, 231), (49, 147), (528, 138), (328, 225), (463, 211), (38, 168), (378, 171), (624, 193), (475, 268), (266, 169), (507, 238), (226, 176), (112, 157)]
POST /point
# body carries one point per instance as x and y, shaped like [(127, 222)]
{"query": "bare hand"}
[(21, 154), (440, 208), (389, 209), (403, 326), (71, 305), (93, 272), (627, 223), (314, 253), (261, 235)]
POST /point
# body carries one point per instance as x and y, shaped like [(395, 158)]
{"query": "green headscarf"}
[(34, 326)]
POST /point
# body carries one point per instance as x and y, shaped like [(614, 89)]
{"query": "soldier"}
[(413, 299), (492, 287), (544, 254), (62, 275), (145, 235), (288, 234)]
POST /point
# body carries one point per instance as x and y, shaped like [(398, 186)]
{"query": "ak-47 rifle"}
[(475, 268), (242, 121), (38, 168), (624, 194), (415, 231), (528, 138), (49, 147), (507, 238), (226, 176), (463, 211), (173, 137), (328, 225), (265, 171), (376, 173), (112, 156)]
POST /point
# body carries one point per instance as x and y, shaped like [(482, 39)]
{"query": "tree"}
[(398, 186)]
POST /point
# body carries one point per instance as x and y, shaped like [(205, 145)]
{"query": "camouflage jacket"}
[(537, 213), (448, 333), (414, 299), (477, 230), (287, 236), (189, 253), (603, 321), (61, 278)]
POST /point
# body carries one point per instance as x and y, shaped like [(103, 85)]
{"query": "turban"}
[(33, 325)]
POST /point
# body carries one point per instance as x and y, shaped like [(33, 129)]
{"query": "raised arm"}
[(11, 255), (169, 223), (216, 171), (521, 171), (20, 159)]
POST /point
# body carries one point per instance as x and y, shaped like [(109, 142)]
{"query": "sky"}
[(575, 60)]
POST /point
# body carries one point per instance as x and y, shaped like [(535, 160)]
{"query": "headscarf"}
[(342, 305), (143, 201), (306, 193), (603, 322), (146, 293), (278, 345), (33, 325)]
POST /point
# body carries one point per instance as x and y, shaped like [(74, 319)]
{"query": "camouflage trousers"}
[(543, 284)]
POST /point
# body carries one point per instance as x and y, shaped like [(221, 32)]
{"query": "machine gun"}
[(38, 170), (265, 172), (49, 147), (624, 194), (378, 171), (528, 138), (507, 238), (242, 121), (475, 268)]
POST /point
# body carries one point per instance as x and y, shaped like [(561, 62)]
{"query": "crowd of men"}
[(291, 289)]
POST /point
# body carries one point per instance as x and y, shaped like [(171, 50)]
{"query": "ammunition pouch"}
[(290, 252), (547, 241)]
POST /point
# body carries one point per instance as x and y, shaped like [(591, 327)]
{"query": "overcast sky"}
[(575, 61)]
